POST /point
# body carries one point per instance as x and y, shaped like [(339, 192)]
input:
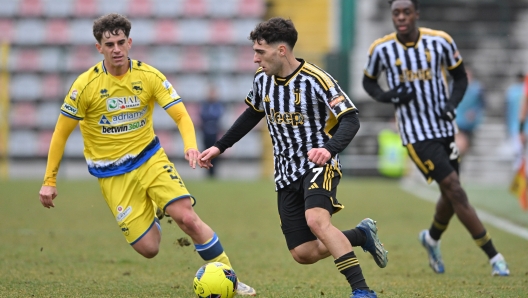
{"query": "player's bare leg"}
[(148, 245), (457, 197)]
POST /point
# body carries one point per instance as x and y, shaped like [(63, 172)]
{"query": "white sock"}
[(430, 240), (497, 257)]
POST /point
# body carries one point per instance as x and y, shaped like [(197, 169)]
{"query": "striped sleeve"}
[(450, 53)]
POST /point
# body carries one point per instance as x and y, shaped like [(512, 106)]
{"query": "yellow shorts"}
[(132, 197)]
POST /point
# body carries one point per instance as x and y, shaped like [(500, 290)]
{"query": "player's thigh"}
[(436, 158), (127, 199), (320, 188), (290, 204), (164, 184)]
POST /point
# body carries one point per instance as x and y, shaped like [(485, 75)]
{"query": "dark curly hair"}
[(112, 23), (414, 2), (275, 30)]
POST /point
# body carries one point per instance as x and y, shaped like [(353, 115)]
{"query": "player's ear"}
[(129, 42), (282, 50), (98, 47)]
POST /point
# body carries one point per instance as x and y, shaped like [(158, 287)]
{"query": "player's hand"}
[(204, 160), (192, 156), (319, 156), (47, 194), (449, 112), (402, 94)]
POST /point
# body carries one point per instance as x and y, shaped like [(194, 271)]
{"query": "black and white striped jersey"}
[(302, 112), (423, 65)]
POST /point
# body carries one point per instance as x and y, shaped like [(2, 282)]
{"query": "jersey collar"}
[(286, 80), (129, 66), (410, 44)]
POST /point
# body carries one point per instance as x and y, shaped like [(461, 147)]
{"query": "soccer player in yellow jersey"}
[(113, 103)]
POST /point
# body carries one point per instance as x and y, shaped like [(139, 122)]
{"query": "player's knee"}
[(188, 221), (147, 250), (302, 258), (316, 224), (150, 253)]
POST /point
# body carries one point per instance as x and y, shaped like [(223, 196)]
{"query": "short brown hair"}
[(275, 30), (112, 23)]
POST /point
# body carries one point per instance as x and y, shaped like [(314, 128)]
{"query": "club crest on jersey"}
[(73, 95), (121, 103), (137, 87)]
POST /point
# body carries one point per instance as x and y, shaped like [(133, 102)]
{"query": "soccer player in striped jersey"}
[(310, 120), (113, 103), (414, 60)]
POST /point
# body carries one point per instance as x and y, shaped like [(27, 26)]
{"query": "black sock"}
[(436, 229), (348, 265), (483, 240), (356, 236)]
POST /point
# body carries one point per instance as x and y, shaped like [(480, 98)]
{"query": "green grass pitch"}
[(77, 250)]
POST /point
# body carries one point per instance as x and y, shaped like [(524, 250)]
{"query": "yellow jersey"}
[(115, 115)]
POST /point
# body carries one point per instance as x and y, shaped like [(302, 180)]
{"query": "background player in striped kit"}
[(310, 119), (414, 59)]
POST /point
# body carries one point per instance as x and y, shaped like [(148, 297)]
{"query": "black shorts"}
[(316, 188), (435, 158)]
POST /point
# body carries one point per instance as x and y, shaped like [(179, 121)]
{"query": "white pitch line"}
[(496, 221)]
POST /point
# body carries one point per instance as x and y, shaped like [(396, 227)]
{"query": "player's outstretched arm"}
[(63, 129), (179, 114)]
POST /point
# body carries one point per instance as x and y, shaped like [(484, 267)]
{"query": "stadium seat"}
[(193, 31), (223, 58), (140, 8), (244, 60), (194, 59), (242, 28), (194, 8), (48, 113), (9, 8), (221, 31), (165, 31), (57, 31), (165, 58), (6, 30), (29, 31), (75, 145), (191, 87), (30, 8), (25, 87), (113, 6), (85, 8), (80, 58), (167, 9), (85, 26), (251, 8), (23, 115), (143, 32), (27, 60), (222, 9), (51, 59), (43, 143), (53, 88), (58, 8), (22, 143)]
